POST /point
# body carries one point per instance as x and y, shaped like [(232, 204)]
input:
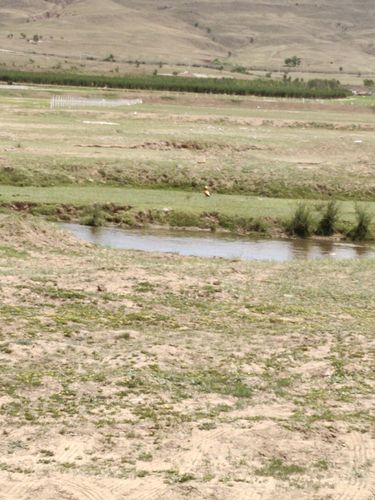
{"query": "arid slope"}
[(326, 35)]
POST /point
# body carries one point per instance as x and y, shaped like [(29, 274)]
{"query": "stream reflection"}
[(217, 245)]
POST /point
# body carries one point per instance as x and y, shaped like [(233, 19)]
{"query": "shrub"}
[(327, 224), (292, 62), (95, 218), (301, 222), (361, 231)]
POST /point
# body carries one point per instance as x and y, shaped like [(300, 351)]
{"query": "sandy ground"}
[(127, 375)]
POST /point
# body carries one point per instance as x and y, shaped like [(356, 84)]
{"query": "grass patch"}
[(278, 469), (12, 252), (59, 293), (184, 219), (177, 477), (211, 381)]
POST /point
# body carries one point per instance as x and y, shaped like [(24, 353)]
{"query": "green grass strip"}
[(158, 199)]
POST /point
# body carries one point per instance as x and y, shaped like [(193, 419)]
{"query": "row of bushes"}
[(303, 224), (271, 88)]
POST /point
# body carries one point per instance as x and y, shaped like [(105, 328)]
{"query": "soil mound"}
[(26, 231)]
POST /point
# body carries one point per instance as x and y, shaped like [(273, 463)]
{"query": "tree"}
[(292, 62)]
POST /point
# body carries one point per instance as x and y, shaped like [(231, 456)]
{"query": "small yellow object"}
[(206, 191)]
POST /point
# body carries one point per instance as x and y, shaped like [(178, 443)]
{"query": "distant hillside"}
[(326, 35)]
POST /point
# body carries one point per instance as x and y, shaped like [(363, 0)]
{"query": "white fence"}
[(81, 102)]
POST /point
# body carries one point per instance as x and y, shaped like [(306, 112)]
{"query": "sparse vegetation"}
[(150, 375), (150, 362), (278, 469)]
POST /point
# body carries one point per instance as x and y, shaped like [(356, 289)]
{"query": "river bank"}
[(141, 208)]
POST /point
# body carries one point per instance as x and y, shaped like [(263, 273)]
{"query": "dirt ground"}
[(150, 376)]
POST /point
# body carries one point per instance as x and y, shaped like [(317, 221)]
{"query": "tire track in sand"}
[(200, 445), (129, 491), (152, 494), (361, 456), (20, 490), (362, 448), (83, 490), (78, 489)]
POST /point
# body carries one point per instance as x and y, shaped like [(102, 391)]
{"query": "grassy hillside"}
[(326, 35)]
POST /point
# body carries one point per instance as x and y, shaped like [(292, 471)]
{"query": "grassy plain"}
[(149, 376), (259, 157), (132, 375), (254, 146)]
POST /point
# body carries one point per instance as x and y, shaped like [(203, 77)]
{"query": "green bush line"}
[(271, 88)]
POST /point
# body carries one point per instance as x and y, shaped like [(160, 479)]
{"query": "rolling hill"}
[(326, 36)]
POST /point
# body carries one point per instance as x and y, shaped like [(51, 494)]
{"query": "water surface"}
[(202, 244)]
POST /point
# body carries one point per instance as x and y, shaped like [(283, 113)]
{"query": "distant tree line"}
[(261, 87)]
